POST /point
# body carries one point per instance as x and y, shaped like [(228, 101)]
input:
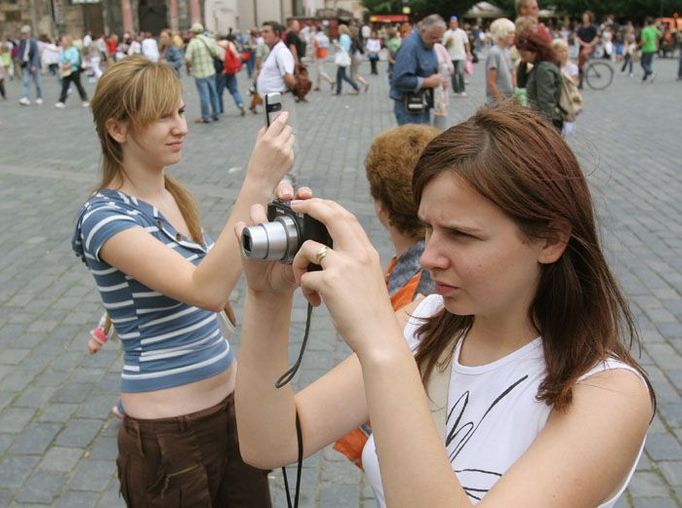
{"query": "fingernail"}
[(296, 202)]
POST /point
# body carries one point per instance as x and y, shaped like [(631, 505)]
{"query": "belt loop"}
[(138, 434)]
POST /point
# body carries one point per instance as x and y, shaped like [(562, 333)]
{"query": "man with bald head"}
[(531, 9)]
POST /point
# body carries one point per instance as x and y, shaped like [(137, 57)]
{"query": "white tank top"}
[(492, 414)]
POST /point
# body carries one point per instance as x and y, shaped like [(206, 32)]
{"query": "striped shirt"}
[(166, 342), (199, 53)]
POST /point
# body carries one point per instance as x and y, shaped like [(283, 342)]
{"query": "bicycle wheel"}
[(598, 75)]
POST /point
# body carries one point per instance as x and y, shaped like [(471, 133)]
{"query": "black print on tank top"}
[(461, 433)]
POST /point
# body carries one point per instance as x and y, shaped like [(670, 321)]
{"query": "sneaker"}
[(242, 111), (39, 101), (60, 105), (463, 94), (24, 101), (85, 104), (652, 76)]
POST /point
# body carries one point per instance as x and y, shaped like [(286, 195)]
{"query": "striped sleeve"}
[(99, 224)]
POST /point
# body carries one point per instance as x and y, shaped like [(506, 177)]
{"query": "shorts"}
[(188, 461)]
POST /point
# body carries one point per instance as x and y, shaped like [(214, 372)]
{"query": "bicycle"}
[(598, 74)]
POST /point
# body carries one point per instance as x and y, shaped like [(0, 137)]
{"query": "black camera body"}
[(281, 237)]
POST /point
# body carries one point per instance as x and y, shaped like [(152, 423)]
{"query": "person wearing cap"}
[(199, 59), (29, 57), (456, 42)]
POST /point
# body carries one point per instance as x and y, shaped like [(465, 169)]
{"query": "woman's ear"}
[(555, 244), (117, 129)]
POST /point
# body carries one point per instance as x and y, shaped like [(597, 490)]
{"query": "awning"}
[(388, 18)]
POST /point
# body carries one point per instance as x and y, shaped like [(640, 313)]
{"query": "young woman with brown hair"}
[(162, 281), (535, 399)]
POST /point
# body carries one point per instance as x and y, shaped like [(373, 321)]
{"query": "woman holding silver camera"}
[(533, 396), (163, 282)]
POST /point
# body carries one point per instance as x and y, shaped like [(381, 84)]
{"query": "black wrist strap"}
[(289, 374), (299, 467)]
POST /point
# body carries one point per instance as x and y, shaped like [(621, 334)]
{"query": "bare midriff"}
[(181, 400)]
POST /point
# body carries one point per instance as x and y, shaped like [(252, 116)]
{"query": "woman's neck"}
[(144, 183), (490, 339)]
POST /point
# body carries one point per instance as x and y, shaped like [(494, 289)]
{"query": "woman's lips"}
[(444, 289)]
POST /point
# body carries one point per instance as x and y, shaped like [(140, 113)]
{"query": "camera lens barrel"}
[(272, 241)]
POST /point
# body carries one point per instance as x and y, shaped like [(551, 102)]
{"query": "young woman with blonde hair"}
[(533, 396), (162, 281)]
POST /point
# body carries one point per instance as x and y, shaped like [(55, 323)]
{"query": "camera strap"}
[(299, 467), (283, 380)]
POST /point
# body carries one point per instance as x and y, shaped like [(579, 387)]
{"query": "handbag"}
[(342, 58), (416, 103)]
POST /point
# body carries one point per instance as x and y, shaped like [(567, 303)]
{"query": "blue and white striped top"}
[(166, 342)]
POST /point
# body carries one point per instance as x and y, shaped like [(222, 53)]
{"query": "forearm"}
[(218, 273), (415, 470), (265, 414)]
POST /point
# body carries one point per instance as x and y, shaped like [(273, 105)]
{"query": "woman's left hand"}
[(351, 282)]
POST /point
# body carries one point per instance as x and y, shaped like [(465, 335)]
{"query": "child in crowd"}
[(500, 75), (571, 71)]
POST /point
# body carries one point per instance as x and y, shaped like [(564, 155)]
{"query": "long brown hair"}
[(531, 40), (519, 162), (140, 92)]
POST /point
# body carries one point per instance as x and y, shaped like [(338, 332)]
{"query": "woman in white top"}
[(542, 403)]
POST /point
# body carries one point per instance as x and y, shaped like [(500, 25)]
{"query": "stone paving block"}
[(663, 447), (61, 459), (35, 439), (93, 475), (77, 499), (72, 393), (57, 412), (654, 503), (111, 497), (42, 487), (15, 469), (13, 356), (104, 448), (6, 398), (340, 496), (34, 396), (5, 497), (13, 420), (647, 484), (78, 433), (672, 471)]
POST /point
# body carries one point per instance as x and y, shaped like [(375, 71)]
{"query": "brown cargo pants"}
[(188, 461)]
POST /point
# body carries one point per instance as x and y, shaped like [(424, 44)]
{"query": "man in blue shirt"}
[(416, 70)]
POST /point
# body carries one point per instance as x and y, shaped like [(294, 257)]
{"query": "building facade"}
[(75, 17)]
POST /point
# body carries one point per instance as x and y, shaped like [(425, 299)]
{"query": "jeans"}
[(208, 98), (627, 61), (230, 81), (373, 59), (647, 64), (679, 66), (403, 117), (251, 64), (458, 76), (342, 76), (75, 78), (36, 80)]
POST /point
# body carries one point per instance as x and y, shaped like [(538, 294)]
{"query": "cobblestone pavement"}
[(57, 436)]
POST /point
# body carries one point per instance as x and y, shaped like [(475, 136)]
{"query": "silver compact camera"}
[(281, 237)]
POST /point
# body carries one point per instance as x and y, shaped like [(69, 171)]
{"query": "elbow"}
[(254, 459)]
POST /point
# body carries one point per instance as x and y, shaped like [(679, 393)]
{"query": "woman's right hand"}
[(273, 153), (269, 276)]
